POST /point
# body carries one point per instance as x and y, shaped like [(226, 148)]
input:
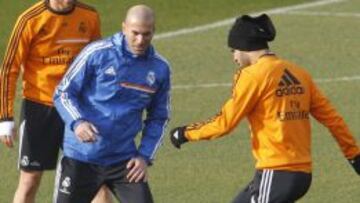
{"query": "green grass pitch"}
[(323, 39)]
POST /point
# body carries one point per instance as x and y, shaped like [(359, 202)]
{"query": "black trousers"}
[(79, 182), (272, 186)]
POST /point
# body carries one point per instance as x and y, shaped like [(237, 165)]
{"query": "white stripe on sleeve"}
[(74, 113), (79, 63)]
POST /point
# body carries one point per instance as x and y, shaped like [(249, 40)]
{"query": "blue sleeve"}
[(67, 93), (158, 114)]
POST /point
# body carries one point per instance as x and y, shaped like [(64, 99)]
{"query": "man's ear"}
[(123, 26)]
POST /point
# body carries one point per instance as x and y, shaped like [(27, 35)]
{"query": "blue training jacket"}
[(110, 87)]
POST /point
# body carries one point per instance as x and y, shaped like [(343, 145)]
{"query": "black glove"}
[(355, 162), (177, 136)]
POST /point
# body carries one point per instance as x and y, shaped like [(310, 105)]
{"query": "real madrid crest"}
[(150, 78), (66, 183), (25, 161), (82, 27)]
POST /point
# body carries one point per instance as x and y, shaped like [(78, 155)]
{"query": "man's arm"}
[(244, 97), (67, 93), (158, 114), (15, 55), (325, 113)]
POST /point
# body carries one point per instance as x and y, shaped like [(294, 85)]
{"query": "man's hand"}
[(137, 170), (177, 136), (355, 163), (86, 131), (7, 133), (8, 140)]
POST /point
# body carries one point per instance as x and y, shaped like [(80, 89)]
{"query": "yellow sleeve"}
[(15, 55), (244, 97), (322, 110)]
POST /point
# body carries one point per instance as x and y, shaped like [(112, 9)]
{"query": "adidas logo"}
[(289, 85), (110, 71)]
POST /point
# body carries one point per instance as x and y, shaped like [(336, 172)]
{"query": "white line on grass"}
[(339, 79), (293, 10), (231, 20), (321, 13), (209, 85), (319, 80)]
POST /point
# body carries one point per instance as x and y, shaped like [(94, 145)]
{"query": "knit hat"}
[(251, 33)]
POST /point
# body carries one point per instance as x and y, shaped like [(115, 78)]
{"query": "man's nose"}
[(140, 39)]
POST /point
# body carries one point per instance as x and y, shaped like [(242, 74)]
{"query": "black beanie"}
[(251, 33)]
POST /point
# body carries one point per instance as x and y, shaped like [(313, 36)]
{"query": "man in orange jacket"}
[(277, 97)]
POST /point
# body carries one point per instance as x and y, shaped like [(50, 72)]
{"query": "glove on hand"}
[(355, 163), (177, 136)]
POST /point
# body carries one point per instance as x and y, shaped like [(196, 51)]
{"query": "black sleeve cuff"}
[(355, 163)]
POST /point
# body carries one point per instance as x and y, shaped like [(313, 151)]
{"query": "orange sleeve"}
[(244, 97), (97, 29), (15, 55), (322, 110)]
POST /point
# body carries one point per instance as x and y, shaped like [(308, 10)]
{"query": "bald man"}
[(101, 100)]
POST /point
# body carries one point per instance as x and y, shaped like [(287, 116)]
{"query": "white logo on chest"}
[(110, 71), (150, 78)]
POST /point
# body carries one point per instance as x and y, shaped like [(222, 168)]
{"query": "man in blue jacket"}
[(102, 98)]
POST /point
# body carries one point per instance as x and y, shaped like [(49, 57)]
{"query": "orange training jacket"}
[(277, 97), (43, 43)]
